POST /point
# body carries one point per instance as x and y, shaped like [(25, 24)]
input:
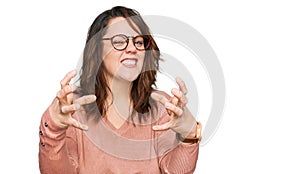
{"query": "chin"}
[(128, 74), (129, 77)]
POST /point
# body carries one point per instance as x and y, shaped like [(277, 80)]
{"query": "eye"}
[(119, 42), (139, 41)]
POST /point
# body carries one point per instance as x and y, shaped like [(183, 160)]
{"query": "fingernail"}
[(74, 71), (93, 97), (154, 127), (85, 127)]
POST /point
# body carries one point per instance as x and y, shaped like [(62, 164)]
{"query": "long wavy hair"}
[(92, 74)]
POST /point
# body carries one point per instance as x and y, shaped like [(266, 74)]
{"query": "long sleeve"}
[(57, 148), (182, 159)]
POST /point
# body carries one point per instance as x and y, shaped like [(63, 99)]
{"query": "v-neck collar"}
[(113, 127)]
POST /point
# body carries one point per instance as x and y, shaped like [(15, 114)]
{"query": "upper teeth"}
[(129, 62)]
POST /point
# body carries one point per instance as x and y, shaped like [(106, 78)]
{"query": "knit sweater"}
[(132, 148)]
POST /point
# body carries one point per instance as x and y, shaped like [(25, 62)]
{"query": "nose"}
[(130, 47)]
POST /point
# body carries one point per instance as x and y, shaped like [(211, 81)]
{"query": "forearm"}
[(182, 159), (53, 154)]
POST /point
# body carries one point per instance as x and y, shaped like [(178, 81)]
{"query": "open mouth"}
[(129, 62)]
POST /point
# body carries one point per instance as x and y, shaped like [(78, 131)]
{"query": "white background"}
[(257, 43)]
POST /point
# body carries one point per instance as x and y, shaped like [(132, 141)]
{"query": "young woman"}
[(115, 121)]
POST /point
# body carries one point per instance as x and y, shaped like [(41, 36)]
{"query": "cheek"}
[(111, 59), (141, 59), (106, 51)]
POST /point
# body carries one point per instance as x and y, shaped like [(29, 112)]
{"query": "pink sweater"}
[(129, 149)]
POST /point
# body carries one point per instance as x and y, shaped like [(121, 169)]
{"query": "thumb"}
[(77, 124)]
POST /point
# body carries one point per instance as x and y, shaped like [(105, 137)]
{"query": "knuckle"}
[(72, 122), (179, 111), (76, 106), (81, 100), (62, 82), (67, 88), (85, 99), (70, 97), (169, 125), (58, 94), (64, 109), (67, 109), (76, 124), (180, 94)]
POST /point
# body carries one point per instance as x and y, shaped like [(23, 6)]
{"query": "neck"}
[(120, 89), (120, 98)]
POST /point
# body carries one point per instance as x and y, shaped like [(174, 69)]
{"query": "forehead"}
[(120, 25)]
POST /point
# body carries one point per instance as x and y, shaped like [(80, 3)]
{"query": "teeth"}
[(129, 62)]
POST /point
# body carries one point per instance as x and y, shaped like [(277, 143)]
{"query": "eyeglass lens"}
[(120, 42)]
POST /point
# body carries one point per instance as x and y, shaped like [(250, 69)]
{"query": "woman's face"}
[(126, 64)]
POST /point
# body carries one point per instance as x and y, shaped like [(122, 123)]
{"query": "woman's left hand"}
[(181, 119)]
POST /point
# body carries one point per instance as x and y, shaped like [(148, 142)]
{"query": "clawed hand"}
[(64, 105), (181, 120)]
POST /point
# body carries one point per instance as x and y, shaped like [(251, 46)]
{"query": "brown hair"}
[(92, 73)]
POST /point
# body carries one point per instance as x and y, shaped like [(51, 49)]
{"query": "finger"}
[(181, 85), (68, 77), (164, 126), (70, 108), (61, 94), (182, 98), (170, 113), (70, 98), (163, 100), (159, 98), (85, 99), (176, 110), (174, 100), (77, 124)]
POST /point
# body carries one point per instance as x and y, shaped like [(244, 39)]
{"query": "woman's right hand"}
[(63, 106)]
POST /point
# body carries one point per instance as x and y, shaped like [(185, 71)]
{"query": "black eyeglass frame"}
[(146, 39)]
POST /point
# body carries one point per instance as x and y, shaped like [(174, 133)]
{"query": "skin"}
[(112, 58), (63, 106), (120, 78)]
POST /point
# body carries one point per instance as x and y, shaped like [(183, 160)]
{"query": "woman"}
[(115, 121)]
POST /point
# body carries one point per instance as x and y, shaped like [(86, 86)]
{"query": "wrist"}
[(53, 114), (193, 133), (194, 136)]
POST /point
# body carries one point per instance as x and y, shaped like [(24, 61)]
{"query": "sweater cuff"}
[(52, 137)]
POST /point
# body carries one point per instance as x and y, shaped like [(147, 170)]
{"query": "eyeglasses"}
[(120, 42)]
